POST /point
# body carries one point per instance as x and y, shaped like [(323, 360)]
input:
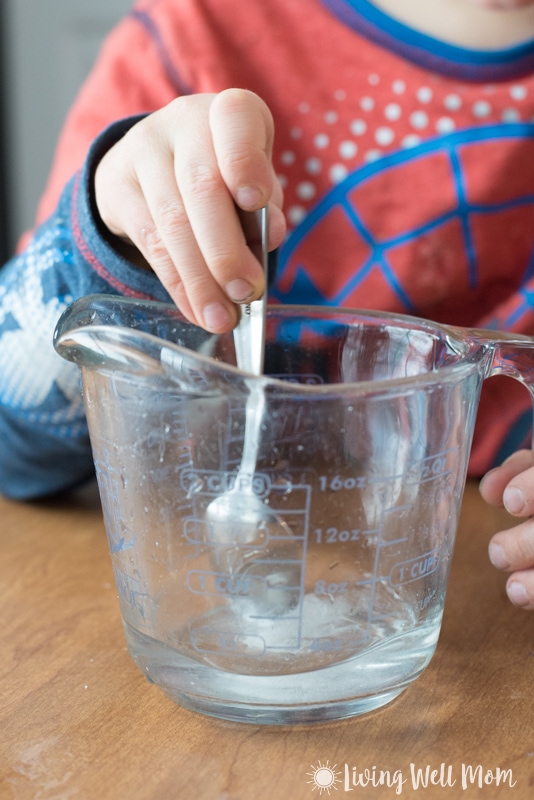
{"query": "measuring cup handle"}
[(509, 354)]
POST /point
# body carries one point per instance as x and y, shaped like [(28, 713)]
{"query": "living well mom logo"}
[(326, 779)]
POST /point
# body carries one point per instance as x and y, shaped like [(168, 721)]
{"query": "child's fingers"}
[(200, 249), (242, 132), (494, 483), (513, 549), (229, 272), (520, 589), (161, 188), (139, 200)]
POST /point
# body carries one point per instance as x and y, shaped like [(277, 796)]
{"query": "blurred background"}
[(47, 48)]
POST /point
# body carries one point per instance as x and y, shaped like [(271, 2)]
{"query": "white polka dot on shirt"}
[(445, 125), (481, 108), (518, 92), (296, 133), (374, 79), (453, 102), (384, 136), (412, 140), (358, 127), (321, 141), (295, 215), (424, 94), (313, 166), (348, 149), (331, 117), (306, 190), (419, 119), (510, 115), (398, 87), (338, 173), (393, 112), (372, 155), (367, 103), (287, 157)]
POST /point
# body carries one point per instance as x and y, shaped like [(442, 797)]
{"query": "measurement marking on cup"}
[(129, 589), (335, 484), (369, 581), (330, 589), (246, 588), (109, 482), (208, 532), (335, 535), (398, 509), (432, 467), (219, 583), (415, 568), (216, 482), (427, 469), (391, 542)]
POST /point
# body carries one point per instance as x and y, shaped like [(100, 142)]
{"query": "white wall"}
[(50, 46)]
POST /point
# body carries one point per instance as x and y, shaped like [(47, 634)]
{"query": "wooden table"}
[(79, 722)]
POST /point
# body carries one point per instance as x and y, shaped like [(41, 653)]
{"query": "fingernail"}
[(497, 556), (514, 500), (216, 316), (248, 197), (239, 290), (518, 594)]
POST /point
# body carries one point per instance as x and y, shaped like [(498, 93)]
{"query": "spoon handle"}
[(249, 333)]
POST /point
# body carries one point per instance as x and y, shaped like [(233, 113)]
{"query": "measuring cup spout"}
[(141, 338), (102, 347)]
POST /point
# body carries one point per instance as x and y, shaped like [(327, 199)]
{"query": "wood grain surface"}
[(79, 722)]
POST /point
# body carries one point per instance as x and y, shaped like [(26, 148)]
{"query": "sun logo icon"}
[(324, 777)]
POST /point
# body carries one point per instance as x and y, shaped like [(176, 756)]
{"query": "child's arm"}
[(44, 445), (512, 485), (43, 436)]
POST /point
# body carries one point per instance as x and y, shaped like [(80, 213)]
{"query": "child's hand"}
[(512, 485), (170, 188)]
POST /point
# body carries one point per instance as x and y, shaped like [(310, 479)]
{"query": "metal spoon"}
[(239, 520), (249, 333), (240, 503)]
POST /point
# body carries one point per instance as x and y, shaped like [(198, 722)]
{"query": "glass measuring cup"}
[(362, 454)]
